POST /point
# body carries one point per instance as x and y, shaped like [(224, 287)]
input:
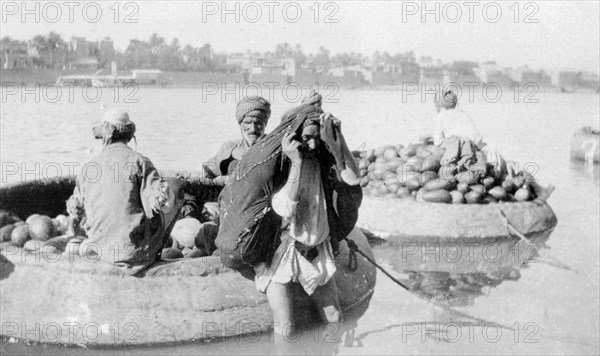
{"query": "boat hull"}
[(585, 145), (67, 299), (455, 238)]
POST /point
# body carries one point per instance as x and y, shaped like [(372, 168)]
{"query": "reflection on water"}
[(457, 290), (456, 281)]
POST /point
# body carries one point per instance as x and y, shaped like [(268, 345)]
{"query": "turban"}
[(309, 114), (119, 118), (313, 98), (255, 106), (447, 99)]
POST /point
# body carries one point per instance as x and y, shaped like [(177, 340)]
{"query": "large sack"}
[(249, 226)]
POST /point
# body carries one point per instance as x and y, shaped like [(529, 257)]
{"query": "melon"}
[(462, 188), (490, 199), (195, 253), (479, 188), (427, 177), (413, 183), (185, 231), (5, 232), (457, 197), (473, 197), (403, 192), (466, 177), (20, 235), (171, 254), (430, 164), (498, 192), (437, 196), (437, 185), (41, 228), (523, 194), (30, 217)]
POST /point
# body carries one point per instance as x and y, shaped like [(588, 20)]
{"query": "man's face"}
[(311, 140), (252, 129)]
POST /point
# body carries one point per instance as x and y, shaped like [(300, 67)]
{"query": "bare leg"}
[(280, 300), (326, 300)]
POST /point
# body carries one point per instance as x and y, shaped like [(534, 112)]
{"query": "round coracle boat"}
[(67, 299), (585, 145), (456, 238), (452, 215)]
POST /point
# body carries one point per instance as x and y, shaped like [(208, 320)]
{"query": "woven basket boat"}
[(456, 238), (66, 299)]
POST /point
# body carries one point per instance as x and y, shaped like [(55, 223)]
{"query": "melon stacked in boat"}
[(37, 232), (415, 171)]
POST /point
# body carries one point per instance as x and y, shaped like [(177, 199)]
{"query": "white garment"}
[(455, 122), (304, 225)]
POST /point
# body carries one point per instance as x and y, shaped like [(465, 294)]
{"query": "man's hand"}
[(290, 147), (331, 131)]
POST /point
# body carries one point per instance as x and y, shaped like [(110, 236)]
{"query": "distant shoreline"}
[(31, 77)]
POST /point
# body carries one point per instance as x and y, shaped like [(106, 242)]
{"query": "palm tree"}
[(54, 42), (40, 44)]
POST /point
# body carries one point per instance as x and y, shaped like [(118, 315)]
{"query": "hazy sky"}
[(565, 36)]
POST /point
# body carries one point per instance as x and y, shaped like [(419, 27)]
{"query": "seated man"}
[(252, 114), (127, 207), (455, 131)]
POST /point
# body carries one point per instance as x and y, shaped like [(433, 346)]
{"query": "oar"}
[(524, 238)]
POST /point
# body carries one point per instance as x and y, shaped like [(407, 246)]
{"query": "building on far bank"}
[(568, 81), (524, 75), (492, 73), (589, 81), (84, 54), (462, 74)]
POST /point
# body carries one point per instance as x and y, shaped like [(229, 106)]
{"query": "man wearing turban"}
[(313, 98), (456, 132), (121, 202), (252, 114)]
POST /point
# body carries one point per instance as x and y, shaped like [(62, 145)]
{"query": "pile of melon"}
[(37, 232), (415, 171)]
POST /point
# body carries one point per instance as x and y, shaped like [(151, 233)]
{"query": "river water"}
[(544, 306)]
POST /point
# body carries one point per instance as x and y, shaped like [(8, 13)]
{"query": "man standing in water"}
[(127, 207)]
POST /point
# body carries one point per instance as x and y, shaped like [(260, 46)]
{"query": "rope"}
[(353, 247)]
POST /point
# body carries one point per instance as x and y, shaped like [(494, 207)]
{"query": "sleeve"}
[(212, 167), (154, 192), (283, 205), (438, 132)]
